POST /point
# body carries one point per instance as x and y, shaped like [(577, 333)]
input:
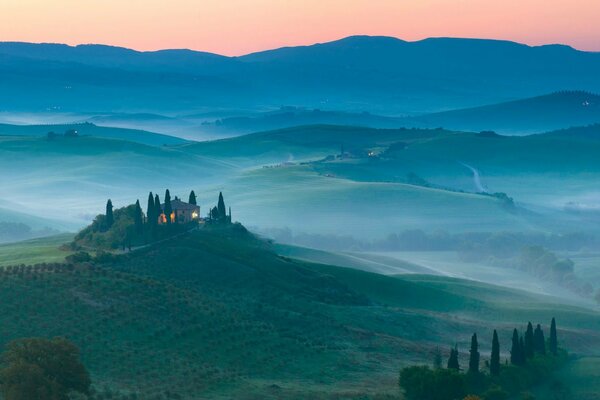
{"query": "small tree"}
[(495, 357), (192, 199), (553, 338), (168, 209), (474, 355), (539, 341), (151, 217), (110, 219), (453, 359), (42, 369), (515, 351), (222, 211), (529, 341), (138, 219), (157, 207), (522, 352), (437, 358)]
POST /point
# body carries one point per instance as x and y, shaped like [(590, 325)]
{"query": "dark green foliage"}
[(221, 210), (168, 208), (474, 355), (423, 383), (495, 393), (109, 214), (437, 358), (553, 338), (157, 208), (529, 341), (42, 369), (522, 351), (495, 356), (138, 219), (453, 359), (192, 198), (539, 341), (516, 351), (151, 217)]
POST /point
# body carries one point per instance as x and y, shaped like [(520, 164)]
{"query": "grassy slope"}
[(86, 129), (218, 313), (532, 115), (34, 251)]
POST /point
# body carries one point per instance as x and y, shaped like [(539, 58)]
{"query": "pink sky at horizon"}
[(235, 27)]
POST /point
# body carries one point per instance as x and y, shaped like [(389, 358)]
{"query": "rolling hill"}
[(219, 313), (89, 129), (360, 73), (533, 115)]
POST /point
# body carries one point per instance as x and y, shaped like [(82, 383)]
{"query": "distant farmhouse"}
[(181, 213)]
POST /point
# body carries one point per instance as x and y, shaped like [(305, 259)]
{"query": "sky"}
[(235, 27)]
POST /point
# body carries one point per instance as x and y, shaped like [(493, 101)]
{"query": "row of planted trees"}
[(532, 359)]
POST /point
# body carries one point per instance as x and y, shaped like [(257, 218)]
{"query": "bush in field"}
[(42, 369)]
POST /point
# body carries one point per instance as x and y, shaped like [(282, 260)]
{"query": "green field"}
[(220, 314), (35, 251)]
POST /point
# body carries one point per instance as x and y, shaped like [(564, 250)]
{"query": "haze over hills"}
[(532, 115), (377, 74)]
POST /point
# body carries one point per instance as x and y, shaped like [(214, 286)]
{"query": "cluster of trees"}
[(42, 369), (532, 359), (218, 213), (129, 226)]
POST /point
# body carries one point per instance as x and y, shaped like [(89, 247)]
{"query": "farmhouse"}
[(182, 212)]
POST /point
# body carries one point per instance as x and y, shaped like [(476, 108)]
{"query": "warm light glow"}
[(236, 27)]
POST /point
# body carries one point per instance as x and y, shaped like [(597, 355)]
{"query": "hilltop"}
[(376, 74), (532, 115), (89, 129), (231, 318)]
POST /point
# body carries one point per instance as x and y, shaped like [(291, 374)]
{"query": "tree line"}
[(532, 358)]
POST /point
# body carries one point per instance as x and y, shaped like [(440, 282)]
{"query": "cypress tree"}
[(453, 359), (192, 199), (437, 358), (553, 338), (522, 353), (529, 342), (474, 355), (222, 212), (495, 357), (157, 208), (110, 219), (539, 341), (138, 219), (515, 351), (151, 218), (168, 209)]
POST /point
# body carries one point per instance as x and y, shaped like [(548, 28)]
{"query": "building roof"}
[(178, 205)]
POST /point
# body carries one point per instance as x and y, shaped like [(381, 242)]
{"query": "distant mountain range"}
[(377, 74)]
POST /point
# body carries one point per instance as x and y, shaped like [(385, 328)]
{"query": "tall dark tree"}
[(474, 355), (522, 353), (529, 343), (495, 357), (151, 217), (192, 199), (437, 358), (110, 219), (453, 359), (515, 350), (138, 218), (157, 208), (553, 338), (168, 208), (222, 211), (539, 341)]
